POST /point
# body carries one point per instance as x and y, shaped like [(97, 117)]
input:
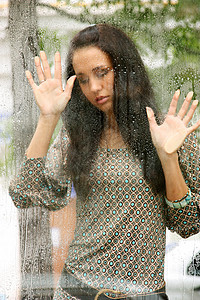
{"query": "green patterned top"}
[(119, 241)]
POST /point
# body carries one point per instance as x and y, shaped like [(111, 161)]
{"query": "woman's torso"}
[(119, 241)]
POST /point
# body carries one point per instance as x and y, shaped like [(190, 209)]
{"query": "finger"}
[(39, 69), (151, 117), (173, 104), (58, 69), (193, 127), (45, 65), (185, 106), (30, 80), (190, 113), (69, 86)]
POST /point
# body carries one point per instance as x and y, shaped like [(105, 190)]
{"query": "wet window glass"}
[(99, 177)]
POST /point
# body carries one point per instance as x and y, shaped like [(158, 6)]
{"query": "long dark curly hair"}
[(132, 94)]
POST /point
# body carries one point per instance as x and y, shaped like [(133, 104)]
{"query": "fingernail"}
[(71, 80), (37, 59), (148, 110), (178, 92), (42, 54), (195, 102), (190, 94), (27, 72)]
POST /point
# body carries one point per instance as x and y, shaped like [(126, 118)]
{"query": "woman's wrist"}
[(180, 203), (176, 187), (167, 158), (40, 142), (50, 118)]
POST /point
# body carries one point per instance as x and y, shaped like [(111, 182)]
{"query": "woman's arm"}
[(40, 142), (167, 138), (45, 181), (51, 100), (181, 170), (183, 216), (176, 187)]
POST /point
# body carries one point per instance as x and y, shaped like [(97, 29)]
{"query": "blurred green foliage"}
[(48, 41), (7, 148), (170, 31), (179, 25)]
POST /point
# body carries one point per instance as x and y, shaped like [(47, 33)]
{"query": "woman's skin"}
[(51, 100), (93, 69), (95, 74)]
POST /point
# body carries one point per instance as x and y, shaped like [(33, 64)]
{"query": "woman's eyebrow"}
[(94, 69), (99, 67), (80, 73)]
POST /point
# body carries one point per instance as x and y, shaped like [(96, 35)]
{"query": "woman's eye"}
[(102, 72), (82, 81)]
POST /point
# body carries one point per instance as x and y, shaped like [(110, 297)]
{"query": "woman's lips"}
[(101, 99)]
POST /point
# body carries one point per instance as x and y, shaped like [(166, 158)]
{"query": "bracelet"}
[(181, 202), (188, 191)]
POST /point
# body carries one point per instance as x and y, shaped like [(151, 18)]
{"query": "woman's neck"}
[(110, 122), (111, 137)]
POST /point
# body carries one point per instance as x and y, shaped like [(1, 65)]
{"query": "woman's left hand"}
[(170, 135)]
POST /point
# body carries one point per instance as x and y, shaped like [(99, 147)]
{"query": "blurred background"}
[(167, 34)]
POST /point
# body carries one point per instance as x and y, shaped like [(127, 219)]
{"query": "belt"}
[(77, 288), (138, 296)]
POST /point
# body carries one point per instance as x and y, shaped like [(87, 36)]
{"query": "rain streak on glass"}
[(34, 241)]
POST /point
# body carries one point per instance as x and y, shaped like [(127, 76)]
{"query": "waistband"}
[(77, 288)]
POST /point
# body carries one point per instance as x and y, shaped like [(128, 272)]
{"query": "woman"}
[(130, 180)]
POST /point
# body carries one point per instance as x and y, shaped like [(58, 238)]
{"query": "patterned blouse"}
[(119, 240)]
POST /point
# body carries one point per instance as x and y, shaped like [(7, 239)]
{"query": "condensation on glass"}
[(169, 45)]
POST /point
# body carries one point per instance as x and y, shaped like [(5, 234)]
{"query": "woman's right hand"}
[(49, 94)]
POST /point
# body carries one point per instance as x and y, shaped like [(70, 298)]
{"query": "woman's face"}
[(95, 74)]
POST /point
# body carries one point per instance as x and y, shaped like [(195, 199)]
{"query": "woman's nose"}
[(95, 85)]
